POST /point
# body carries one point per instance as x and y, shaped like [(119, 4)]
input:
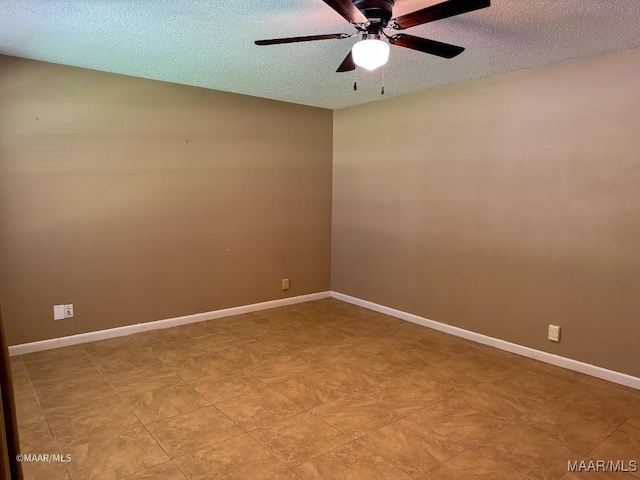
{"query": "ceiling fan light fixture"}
[(370, 53)]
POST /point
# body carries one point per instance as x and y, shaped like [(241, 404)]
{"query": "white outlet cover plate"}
[(58, 312), (554, 333), (68, 310)]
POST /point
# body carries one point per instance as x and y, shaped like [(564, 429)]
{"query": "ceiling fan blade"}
[(348, 10), (347, 64), (425, 45), (310, 38), (439, 11)]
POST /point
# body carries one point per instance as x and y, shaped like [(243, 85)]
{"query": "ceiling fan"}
[(372, 17)]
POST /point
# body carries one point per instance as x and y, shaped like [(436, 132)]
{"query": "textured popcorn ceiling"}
[(209, 43)]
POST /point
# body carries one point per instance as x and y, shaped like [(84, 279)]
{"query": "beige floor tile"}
[(114, 457), (607, 405), (65, 375), (17, 365), (356, 375), (549, 370), (557, 422), (595, 475), (374, 349), (334, 354), (53, 357), (441, 380), (313, 389), (632, 426), (410, 446), (400, 361), (616, 390), (247, 320), (214, 343), (165, 335), (200, 366), (499, 401), (162, 471), (191, 431), (259, 408), (502, 355), (239, 458), (532, 455), (22, 385), (456, 420), (110, 346), (226, 385), (175, 353), (441, 348), (81, 424), (328, 333), (281, 368), (34, 435), (408, 331), (287, 475), (288, 338), (299, 438), (141, 378), (533, 385), (620, 446), (378, 369), (361, 327), (45, 471), (154, 405), (356, 415), (298, 320), (28, 410), (478, 366), (324, 355), (122, 360), (406, 394), (428, 350), (202, 329), (469, 465), (44, 444), (95, 392), (350, 462), (247, 353), (266, 330)]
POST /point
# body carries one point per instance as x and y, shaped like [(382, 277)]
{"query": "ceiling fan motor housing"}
[(377, 11)]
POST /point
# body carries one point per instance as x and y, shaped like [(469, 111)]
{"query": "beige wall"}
[(138, 200), (501, 206)]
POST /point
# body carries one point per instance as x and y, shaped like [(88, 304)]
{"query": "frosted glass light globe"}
[(370, 54)]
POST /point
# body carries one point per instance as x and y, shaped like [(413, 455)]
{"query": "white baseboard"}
[(586, 368), (158, 324)]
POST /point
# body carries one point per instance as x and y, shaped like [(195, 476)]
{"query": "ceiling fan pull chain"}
[(384, 67), (355, 86)]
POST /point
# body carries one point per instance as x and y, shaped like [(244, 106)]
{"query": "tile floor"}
[(320, 390)]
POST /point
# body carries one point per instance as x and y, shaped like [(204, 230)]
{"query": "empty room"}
[(320, 240)]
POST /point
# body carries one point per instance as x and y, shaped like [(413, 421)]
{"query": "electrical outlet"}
[(285, 284), (554, 333), (58, 312), (68, 310)]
